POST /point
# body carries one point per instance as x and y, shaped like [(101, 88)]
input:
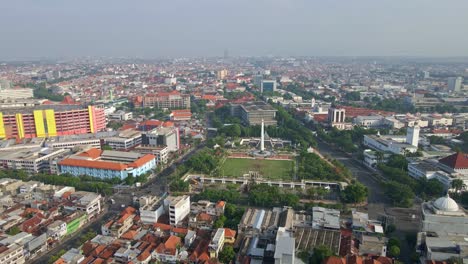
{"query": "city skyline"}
[(55, 29)]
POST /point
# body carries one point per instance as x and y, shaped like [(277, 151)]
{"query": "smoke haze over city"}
[(152, 29)]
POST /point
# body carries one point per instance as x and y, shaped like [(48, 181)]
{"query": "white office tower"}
[(454, 84), (412, 135), (179, 208)]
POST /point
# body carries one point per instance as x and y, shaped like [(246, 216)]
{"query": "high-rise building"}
[(268, 86), (179, 208), (426, 74), (257, 80), (162, 136), (51, 121), (454, 84), (222, 74), (412, 135)]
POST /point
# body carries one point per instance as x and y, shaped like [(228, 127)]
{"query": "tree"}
[(227, 254), (320, 254), (433, 188), (400, 194), (455, 260), (219, 222), (14, 231), (394, 251), (106, 147), (458, 185), (130, 180), (179, 186), (393, 242), (398, 161), (354, 193), (379, 156)]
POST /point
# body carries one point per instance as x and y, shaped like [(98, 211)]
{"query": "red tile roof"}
[(456, 161)]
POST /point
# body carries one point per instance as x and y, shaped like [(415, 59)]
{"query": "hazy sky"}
[(176, 28)]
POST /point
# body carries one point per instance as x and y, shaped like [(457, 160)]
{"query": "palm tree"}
[(380, 156), (458, 185)]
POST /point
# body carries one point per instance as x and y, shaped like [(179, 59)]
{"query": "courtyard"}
[(269, 169)]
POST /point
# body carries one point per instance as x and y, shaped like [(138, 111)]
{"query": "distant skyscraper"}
[(257, 80), (226, 54), (455, 83), (426, 74)]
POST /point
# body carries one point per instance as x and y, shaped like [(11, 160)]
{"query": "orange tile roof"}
[(123, 218), (204, 257), (92, 153), (229, 232), (162, 226), (204, 217), (179, 230), (220, 204), (97, 250), (128, 210), (105, 165), (172, 242), (168, 124), (151, 123), (129, 235), (142, 161), (144, 255), (209, 97)]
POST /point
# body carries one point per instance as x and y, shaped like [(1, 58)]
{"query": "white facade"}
[(454, 84), (57, 230), (121, 116), (412, 135), (179, 208), (151, 209), (394, 144), (285, 247), (429, 171), (369, 121), (444, 229), (216, 243)]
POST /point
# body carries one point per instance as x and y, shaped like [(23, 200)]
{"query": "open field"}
[(269, 169)]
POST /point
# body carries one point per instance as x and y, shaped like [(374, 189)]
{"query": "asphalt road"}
[(406, 220), (360, 172)]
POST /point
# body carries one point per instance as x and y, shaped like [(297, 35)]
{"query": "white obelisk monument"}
[(262, 139)]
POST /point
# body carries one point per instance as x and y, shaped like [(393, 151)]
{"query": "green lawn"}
[(269, 169)]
